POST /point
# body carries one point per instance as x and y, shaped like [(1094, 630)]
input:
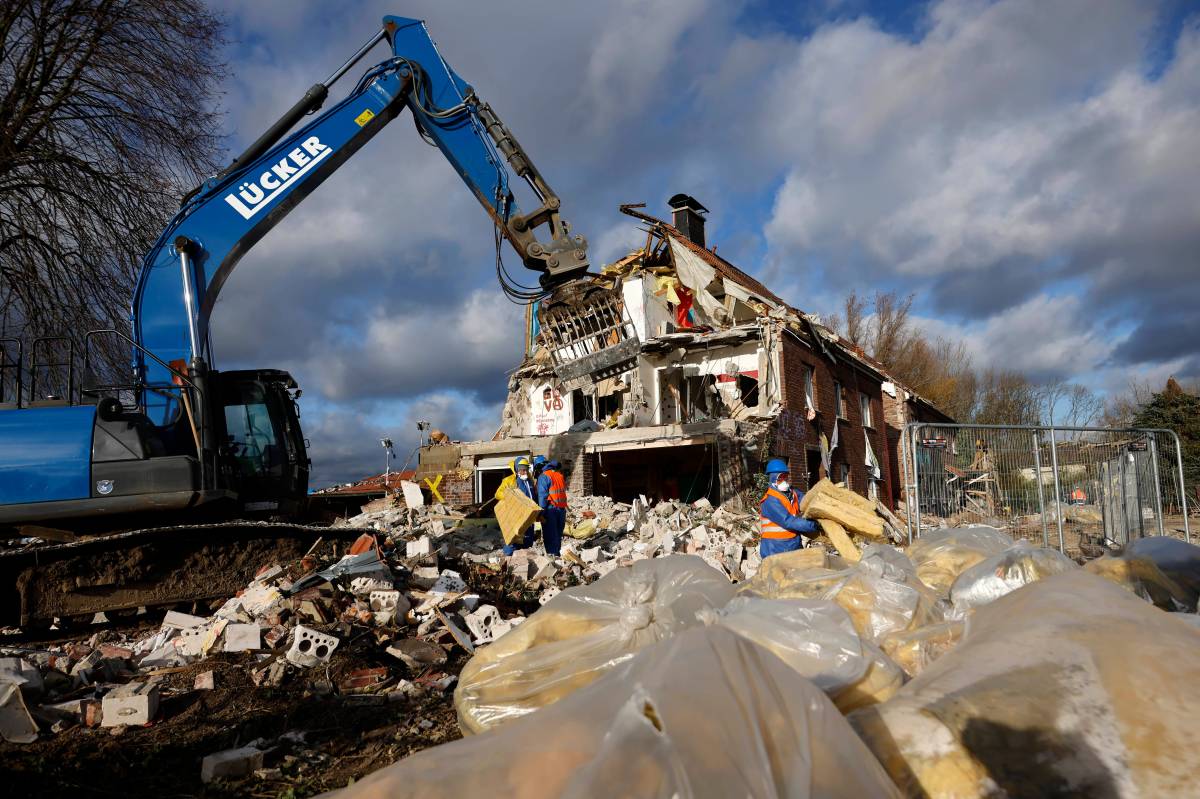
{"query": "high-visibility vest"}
[(557, 495), (769, 528)]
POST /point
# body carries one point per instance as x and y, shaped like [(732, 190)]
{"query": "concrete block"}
[(389, 601), (182, 621), (241, 637), (191, 641), (449, 582), (132, 703), (481, 621), (419, 548), (310, 647), (21, 674), (230, 764)]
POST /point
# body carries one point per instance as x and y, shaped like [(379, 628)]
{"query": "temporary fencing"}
[(1106, 483)]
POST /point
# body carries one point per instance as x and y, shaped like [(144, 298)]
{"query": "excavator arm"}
[(182, 275)]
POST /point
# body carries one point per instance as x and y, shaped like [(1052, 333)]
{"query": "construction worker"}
[(539, 463), (522, 480), (779, 517), (552, 496)]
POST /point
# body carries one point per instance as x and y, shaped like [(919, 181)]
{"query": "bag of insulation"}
[(582, 633), (942, 555), (1163, 570), (1177, 559), (1068, 687), (706, 713), (1002, 574), (881, 591), (913, 650), (816, 638)]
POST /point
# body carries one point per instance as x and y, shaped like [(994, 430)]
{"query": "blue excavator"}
[(216, 460)]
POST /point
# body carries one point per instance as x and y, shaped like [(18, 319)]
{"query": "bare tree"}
[(938, 369), (1122, 407), (1067, 404), (107, 116), (1006, 397)]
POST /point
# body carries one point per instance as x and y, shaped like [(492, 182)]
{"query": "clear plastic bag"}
[(813, 636), (1141, 576), (706, 713), (881, 592), (913, 650), (1068, 687), (942, 555), (880, 683), (582, 633), (1177, 559), (1002, 574)]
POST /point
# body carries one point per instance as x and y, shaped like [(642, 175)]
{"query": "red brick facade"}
[(798, 440)]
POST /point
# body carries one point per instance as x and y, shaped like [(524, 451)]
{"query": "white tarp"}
[(697, 275)]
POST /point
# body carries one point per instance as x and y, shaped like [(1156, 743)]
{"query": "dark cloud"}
[(1162, 338), (957, 159)]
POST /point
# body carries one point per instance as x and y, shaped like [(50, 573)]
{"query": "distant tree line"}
[(941, 370)]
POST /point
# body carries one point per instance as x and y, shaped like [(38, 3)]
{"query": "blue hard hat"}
[(777, 465), (539, 461)]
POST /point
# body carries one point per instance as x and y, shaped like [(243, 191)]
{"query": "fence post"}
[(1187, 530), (1157, 485), (917, 484), (907, 492), (1062, 547), (1037, 471)]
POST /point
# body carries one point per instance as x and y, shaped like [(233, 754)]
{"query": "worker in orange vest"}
[(552, 497), (780, 521), (1078, 497)]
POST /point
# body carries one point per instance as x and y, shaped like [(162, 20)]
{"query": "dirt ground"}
[(344, 737), (322, 734)]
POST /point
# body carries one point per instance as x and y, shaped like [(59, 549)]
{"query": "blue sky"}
[(1030, 170)]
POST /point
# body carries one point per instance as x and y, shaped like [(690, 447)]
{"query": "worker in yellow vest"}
[(780, 521)]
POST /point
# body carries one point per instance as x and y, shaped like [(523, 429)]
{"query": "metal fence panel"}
[(1070, 488)]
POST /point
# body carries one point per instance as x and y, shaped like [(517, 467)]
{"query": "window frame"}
[(864, 409), (810, 387), (839, 402)]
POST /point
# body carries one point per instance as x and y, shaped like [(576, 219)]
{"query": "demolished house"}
[(725, 375)]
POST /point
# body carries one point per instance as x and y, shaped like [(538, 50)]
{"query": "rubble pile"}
[(427, 607), (600, 536), (291, 628)]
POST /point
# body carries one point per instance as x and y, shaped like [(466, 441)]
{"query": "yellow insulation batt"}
[(913, 650), (1068, 686), (582, 633), (1140, 576), (942, 555), (881, 592), (705, 713)]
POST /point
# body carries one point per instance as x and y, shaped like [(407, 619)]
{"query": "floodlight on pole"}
[(388, 454)]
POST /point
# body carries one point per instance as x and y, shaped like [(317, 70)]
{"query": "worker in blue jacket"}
[(780, 521), (552, 496)]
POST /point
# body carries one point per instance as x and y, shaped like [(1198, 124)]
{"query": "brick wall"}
[(796, 436)]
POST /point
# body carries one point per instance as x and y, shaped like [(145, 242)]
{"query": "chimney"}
[(687, 217)]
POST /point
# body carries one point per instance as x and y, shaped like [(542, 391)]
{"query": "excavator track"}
[(149, 567)]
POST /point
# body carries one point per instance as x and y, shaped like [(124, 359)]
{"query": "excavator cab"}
[(262, 449)]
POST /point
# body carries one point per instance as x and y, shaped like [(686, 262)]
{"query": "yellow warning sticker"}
[(365, 117)]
